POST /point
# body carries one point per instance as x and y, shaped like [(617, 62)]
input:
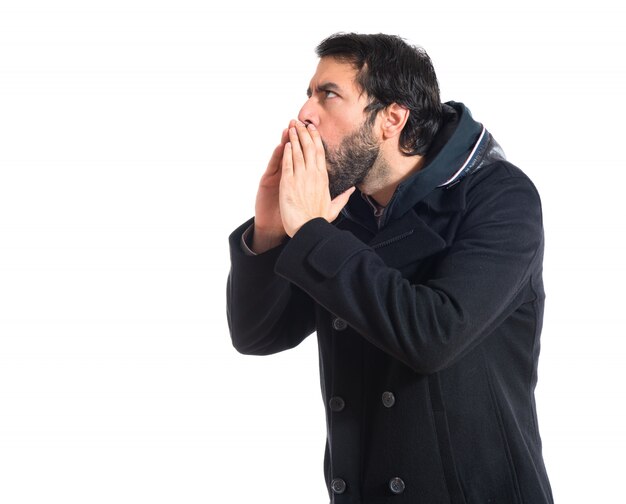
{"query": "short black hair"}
[(392, 71)]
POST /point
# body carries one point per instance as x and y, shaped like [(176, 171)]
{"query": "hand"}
[(304, 193), (268, 225)]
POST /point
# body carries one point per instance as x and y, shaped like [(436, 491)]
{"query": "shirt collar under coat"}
[(456, 151)]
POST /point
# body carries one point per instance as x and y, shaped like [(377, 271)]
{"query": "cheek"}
[(332, 139), (327, 140)]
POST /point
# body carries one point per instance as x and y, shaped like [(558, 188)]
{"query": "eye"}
[(330, 94)]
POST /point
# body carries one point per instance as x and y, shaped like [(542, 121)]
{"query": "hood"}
[(461, 146)]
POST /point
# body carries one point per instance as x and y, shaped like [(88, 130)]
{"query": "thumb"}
[(339, 202)]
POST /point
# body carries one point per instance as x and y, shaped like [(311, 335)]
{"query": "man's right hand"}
[(268, 226)]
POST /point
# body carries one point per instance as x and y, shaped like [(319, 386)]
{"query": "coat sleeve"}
[(266, 313), (498, 245)]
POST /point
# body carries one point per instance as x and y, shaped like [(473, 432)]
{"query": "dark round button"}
[(388, 399), (339, 324), (336, 403), (338, 486), (396, 485)]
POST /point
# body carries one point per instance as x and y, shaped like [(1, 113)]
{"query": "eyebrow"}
[(325, 86)]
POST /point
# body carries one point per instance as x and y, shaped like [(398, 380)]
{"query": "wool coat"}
[(428, 318)]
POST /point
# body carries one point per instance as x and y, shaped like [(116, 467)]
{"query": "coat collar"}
[(446, 160), (455, 151)]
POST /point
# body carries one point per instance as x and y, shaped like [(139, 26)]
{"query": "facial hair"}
[(352, 161)]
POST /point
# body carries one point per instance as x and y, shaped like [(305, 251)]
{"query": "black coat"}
[(428, 323)]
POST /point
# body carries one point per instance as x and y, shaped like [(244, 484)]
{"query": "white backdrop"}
[(132, 137)]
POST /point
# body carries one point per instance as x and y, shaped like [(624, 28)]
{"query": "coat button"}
[(338, 486), (339, 324), (396, 485), (336, 403), (388, 399)]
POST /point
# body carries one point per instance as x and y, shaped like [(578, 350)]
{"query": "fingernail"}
[(311, 126)]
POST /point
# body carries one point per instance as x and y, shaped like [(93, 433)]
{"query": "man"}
[(392, 225)]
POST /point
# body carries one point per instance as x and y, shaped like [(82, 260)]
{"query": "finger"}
[(308, 147), (339, 202), (292, 124), (296, 150), (319, 147), (287, 164), (274, 163)]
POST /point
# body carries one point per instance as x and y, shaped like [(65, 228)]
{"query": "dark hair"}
[(392, 71)]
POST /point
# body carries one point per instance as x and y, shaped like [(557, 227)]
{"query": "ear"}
[(394, 117)]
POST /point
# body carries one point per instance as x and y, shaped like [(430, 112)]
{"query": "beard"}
[(352, 161)]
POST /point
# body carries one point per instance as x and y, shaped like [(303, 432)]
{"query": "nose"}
[(308, 113)]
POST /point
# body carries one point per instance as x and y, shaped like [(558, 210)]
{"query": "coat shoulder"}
[(498, 173)]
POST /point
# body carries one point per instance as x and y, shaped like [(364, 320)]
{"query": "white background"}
[(132, 137)]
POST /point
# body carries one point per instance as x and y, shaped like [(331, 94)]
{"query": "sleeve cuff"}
[(245, 240), (320, 246)]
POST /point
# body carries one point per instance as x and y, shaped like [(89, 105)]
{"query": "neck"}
[(391, 174)]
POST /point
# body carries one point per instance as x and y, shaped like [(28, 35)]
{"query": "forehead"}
[(332, 70)]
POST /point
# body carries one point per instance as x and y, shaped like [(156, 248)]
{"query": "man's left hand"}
[(304, 193)]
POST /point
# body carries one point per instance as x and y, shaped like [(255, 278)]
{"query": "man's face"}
[(336, 108)]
